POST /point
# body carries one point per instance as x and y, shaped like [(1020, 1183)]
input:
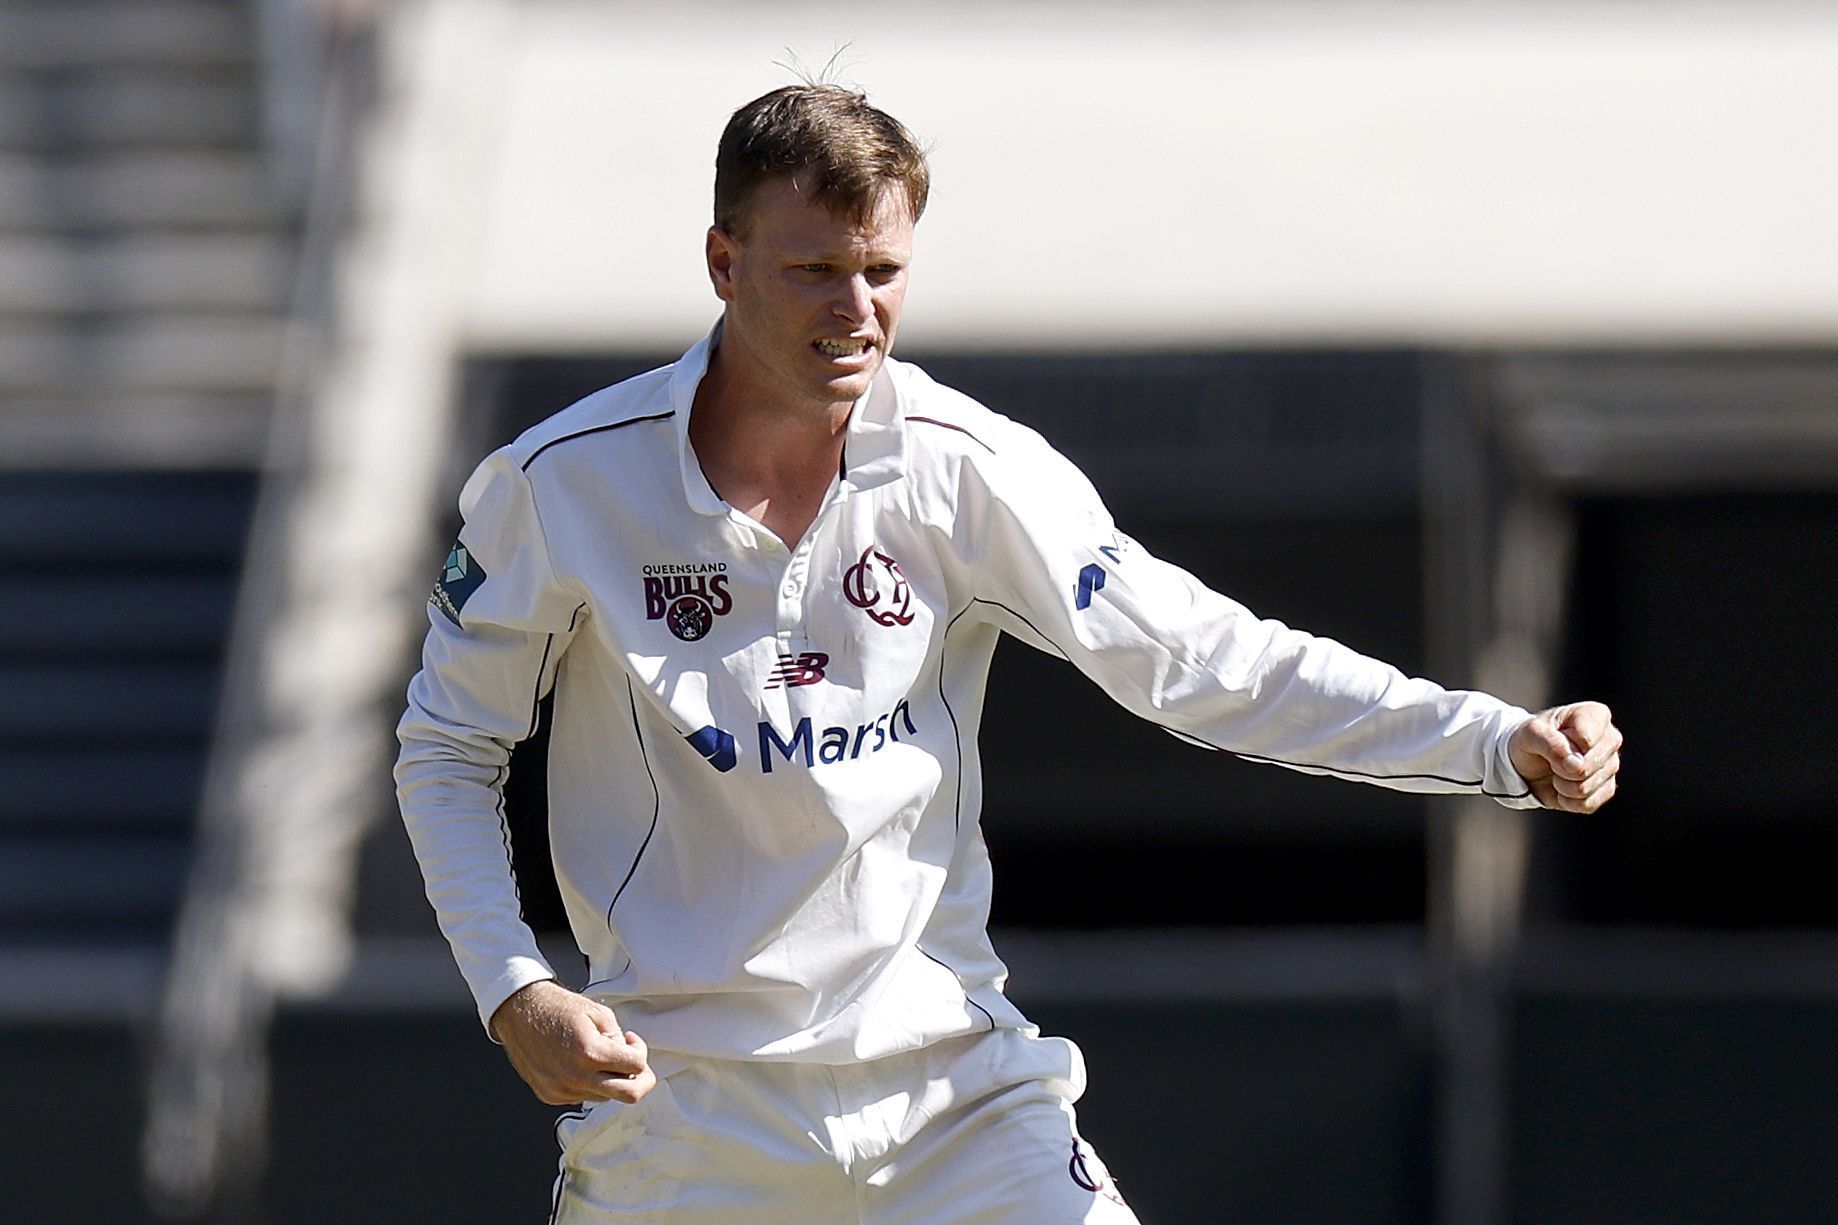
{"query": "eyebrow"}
[(872, 258)]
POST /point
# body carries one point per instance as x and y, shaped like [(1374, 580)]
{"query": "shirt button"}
[(794, 587)]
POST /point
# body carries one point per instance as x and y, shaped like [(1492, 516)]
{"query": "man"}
[(764, 584)]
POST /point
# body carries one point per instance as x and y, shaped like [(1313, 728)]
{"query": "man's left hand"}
[(1569, 755)]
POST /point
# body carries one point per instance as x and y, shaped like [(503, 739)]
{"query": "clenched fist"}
[(1569, 755), (569, 1048)]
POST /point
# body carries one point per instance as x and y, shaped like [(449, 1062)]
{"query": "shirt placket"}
[(796, 580), (794, 586)]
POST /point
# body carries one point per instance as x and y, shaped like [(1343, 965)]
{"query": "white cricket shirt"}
[(763, 776)]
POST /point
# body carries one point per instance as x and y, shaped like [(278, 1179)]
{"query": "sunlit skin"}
[(1569, 756), (770, 416)]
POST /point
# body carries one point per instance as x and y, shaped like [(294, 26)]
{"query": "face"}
[(813, 299)]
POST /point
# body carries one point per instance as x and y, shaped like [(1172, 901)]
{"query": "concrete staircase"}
[(144, 271), (143, 258)]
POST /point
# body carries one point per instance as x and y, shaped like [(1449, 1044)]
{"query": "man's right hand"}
[(569, 1048)]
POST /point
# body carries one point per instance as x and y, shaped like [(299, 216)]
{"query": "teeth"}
[(842, 348)]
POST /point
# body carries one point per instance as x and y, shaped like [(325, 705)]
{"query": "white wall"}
[(1290, 171)]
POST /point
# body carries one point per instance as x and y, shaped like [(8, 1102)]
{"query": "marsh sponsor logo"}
[(715, 745), (809, 745), (687, 598), (1092, 577)]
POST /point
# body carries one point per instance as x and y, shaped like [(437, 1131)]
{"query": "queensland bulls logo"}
[(687, 598), (875, 585)]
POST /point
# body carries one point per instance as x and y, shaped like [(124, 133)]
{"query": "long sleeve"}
[(1157, 640), (499, 623)]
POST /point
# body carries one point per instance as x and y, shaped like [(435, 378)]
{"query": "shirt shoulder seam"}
[(594, 429)]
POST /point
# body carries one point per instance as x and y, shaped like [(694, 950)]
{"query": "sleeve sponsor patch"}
[(1091, 579), (460, 576)]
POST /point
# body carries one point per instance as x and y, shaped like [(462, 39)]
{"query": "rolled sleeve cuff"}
[(1504, 782)]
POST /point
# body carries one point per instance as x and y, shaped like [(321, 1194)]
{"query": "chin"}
[(852, 388)]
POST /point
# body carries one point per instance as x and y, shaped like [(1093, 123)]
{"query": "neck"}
[(771, 459)]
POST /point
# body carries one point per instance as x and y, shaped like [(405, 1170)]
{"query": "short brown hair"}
[(844, 150)]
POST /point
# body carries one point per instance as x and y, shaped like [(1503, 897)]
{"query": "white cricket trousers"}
[(977, 1130)]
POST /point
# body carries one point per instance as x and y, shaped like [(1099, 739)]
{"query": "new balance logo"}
[(795, 670)]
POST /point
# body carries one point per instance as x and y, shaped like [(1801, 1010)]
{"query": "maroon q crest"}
[(1096, 1180), (875, 585)]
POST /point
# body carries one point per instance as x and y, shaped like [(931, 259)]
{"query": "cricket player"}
[(764, 584)]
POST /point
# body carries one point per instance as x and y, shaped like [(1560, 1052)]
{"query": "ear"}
[(721, 250)]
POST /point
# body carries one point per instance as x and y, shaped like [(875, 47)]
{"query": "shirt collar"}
[(684, 377), (873, 454)]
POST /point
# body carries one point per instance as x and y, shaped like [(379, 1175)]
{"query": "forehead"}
[(782, 212)]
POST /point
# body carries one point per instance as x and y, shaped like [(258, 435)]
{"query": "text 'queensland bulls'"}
[(687, 597)]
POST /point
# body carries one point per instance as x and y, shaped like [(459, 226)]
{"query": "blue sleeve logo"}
[(1091, 579), (460, 576)]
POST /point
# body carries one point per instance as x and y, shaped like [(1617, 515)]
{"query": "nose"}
[(855, 299)]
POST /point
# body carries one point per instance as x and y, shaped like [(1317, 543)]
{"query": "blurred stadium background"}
[(1497, 339)]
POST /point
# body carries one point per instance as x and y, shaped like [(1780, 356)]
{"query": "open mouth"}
[(850, 346)]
